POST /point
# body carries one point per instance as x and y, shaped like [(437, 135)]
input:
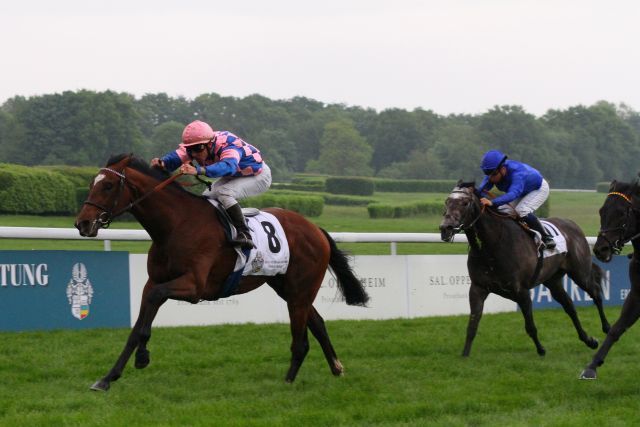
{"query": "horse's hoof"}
[(101, 385), (542, 351), (141, 363), (588, 374), (337, 369), (142, 360), (592, 343)]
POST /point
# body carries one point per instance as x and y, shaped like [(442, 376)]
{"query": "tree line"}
[(574, 148)]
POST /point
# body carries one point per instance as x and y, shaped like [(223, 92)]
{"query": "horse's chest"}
[(494, 278)]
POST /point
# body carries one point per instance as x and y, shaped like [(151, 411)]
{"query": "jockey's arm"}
[(227, 165), (516, 190), (171, 161)]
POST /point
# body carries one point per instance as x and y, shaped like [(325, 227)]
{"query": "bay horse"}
[(619, 224), (190, 257), (503, 259)]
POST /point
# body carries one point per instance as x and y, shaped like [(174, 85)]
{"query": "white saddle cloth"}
[(558, 237), (271, 254)]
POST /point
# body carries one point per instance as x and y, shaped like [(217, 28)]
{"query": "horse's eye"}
[(108, 186)]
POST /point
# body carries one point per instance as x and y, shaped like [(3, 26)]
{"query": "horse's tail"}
[(348, 283)]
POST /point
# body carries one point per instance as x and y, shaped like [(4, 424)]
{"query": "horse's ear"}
[(612, 187), (459, 183)]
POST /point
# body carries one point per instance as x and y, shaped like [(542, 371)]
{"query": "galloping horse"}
[(190, 258), (619, 224), (503, 259)]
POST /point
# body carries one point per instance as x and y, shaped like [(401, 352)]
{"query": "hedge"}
[(305, 205), (603, 187), (414, 185), (315, 187), (33, 191), (81, 176), (356, 186), (381, 210)]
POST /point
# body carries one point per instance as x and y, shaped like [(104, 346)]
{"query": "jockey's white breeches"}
[(527, 203), (229, 189)]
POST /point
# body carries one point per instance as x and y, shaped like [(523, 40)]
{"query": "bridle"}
[(619, 243), (107, 215), (470, 206)]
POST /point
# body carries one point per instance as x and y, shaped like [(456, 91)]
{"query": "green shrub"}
[(414, 185), (357, 186), (603, 187), (33, 191), (381, 210), (81, 176), (309, 179), (338, 200), (305, 205), (316, 186)]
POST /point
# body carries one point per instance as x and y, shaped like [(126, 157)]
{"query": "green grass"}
[(581, 207), (399, 372)]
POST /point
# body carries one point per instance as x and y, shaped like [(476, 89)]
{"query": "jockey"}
[(521, 184), (221, 154)]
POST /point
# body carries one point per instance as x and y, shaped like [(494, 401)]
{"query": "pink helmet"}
[(196, 132)]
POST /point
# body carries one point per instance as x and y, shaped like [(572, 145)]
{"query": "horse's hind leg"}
[(477, 296), (318, 329), (298, 314), (559, 294), (524, 302), (592, 286)]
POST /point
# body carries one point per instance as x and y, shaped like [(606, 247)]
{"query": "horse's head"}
[(619, 217), (108, 195), (462, 209)]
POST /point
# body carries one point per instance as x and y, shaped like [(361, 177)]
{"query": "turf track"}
[(399, 372)]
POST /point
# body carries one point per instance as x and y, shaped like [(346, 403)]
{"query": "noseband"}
[(619, 243)]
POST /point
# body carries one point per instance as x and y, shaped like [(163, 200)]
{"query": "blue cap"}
[(492, 160)]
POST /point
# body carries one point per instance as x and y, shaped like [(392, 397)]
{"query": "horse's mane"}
[(142, 166)]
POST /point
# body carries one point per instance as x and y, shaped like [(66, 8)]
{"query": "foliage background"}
[(574, 148)]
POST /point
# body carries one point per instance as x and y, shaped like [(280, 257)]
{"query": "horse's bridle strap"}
[(624, 196)]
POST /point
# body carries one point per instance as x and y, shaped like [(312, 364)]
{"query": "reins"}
[(107, 216)]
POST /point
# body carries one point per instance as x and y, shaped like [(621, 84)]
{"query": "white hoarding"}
[(398, 286), (439, 285)]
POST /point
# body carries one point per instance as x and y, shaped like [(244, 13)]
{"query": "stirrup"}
[(244, 240)]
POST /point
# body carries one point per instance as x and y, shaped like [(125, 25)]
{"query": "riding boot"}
[(243, 237), (534, 223)]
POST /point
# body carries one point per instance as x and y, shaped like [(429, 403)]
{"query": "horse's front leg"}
[(628, 316), (153, 296), (477, 296), (147, 314)]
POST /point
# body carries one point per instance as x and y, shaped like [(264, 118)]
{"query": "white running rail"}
[(109, 235)]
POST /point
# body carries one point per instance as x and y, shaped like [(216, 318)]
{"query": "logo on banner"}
[(79, 291), (257, 263)]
